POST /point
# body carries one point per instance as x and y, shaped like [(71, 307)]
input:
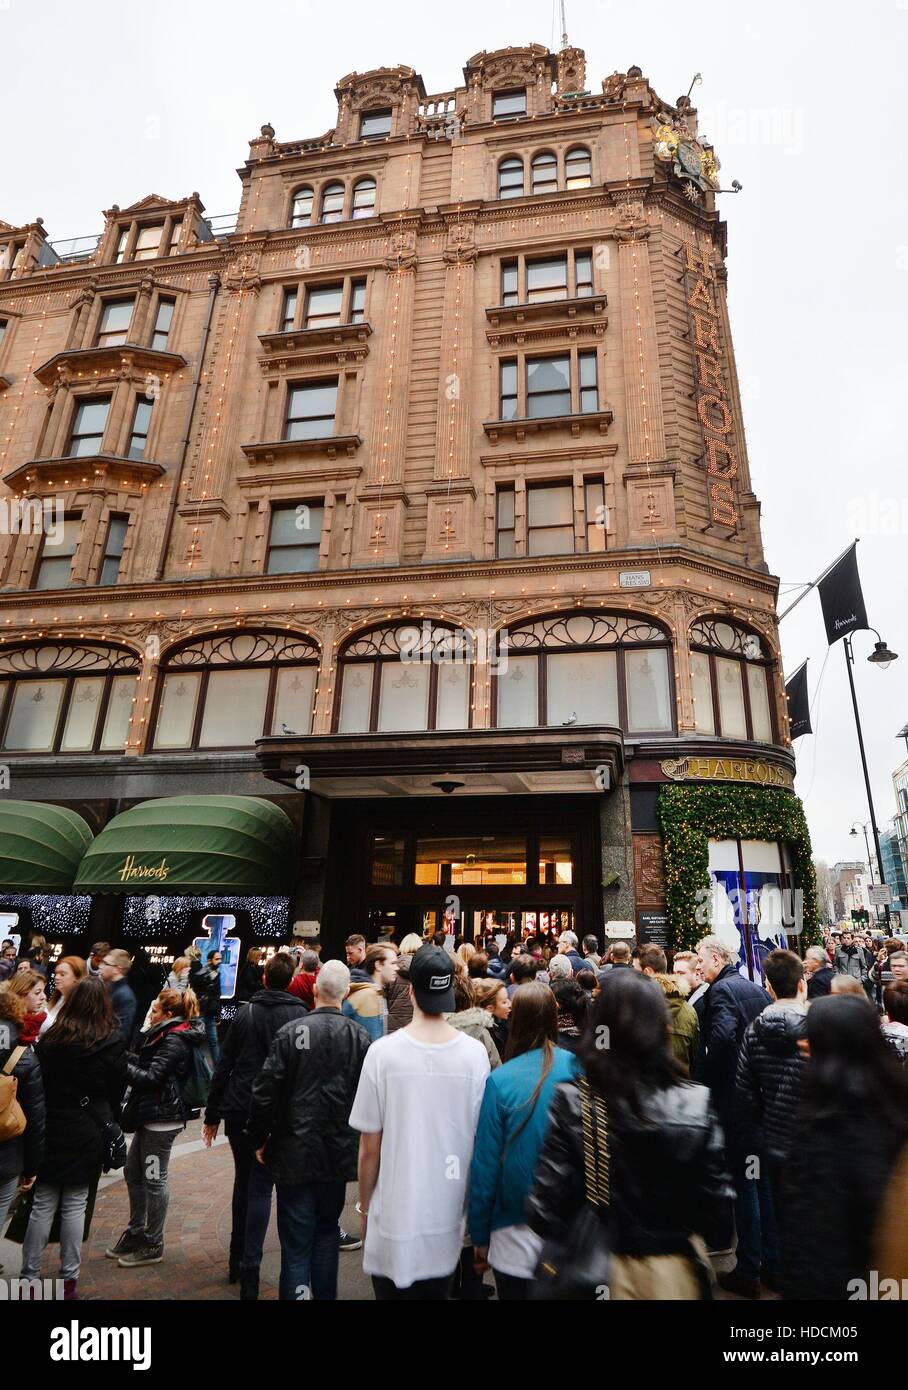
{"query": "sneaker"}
[(736, 1283), (145, 1255), (126, 1245), (348, 1242)]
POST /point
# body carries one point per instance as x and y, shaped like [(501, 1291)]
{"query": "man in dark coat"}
[(299, 1127), (246, 1046), (731, 1003), (115, 966), (818, 973)]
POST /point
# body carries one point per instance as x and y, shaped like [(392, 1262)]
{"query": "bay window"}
[(731, 682)]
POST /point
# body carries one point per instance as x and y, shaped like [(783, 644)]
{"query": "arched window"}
[(510, 178), (364, 198), (332, 203), (66, 698), (301, 210), (578, 168), (227, 690), (731, 677), (586, 668), (545, 172), (412, 676)]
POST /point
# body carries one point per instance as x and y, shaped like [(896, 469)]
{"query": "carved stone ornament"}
[(461, 245), (242, 272), (692, 161), (513, 71)]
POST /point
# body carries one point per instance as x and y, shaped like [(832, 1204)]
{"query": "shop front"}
[(41, 848)]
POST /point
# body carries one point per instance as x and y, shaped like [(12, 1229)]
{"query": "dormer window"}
[(510, 105), (148, 242), (373, 125)]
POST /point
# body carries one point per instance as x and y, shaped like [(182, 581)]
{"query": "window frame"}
[(7, 696), (303, 384), (294, 197), (331, 189), (106, 553), (115, 302), (377, 661), (767, 663), (523, 260), (619, 648), (524, 359), (41, 557), (374, 111), (140, 401), (502, 94), (548, 158), (510, 163), (281, 505), (302, 288), (164, 301), (170, 666), (72, 436)]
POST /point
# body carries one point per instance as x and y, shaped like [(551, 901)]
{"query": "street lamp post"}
[(865, 826), (880, 656)]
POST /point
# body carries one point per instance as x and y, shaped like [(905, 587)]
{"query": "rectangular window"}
[(374, 124), (3, 327), (288, 311), (550, 519), (547, 279), (403, 699), (508, 374), (148, 242), (88, 427), (176, 715), (293, 700), (548, 386), (141, 421), (357, 301), (596, 520), (56, 559), (234, 708), (113, 549), (311, 410), (387, 862), (648, 690), (122, 243), (472, 859), (356, 698), (556, 862), (504, 528), (453, 710), (731, 698), (518, 699), (581, 688), (162, 323), (176, 227), (82, 715), (509, 105), (702, 691), (119, 709), (509, 283), (583, 271), (323, 306), (116, 317), (295, 538), (759, 704), (33, 718), (589, 388)]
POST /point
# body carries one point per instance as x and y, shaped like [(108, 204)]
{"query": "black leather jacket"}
[(244, 1050), (303, 1096), (669, 1177), (155, 1078)]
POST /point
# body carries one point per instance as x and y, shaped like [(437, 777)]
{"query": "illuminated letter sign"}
[(713, 407)]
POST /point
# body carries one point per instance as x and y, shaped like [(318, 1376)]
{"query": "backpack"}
[(12, 1116)]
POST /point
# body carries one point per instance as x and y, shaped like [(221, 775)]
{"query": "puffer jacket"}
[(302, 1098), (23, 1154), (669, 1177), (685, 1035), (244, 1050), (477, 1023), (400, 1005), (157, 1075), (770, 1076), (83, 1088), (367, 1004)]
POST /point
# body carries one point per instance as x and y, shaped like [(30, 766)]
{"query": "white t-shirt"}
[(515, 1250), (425, 1099)]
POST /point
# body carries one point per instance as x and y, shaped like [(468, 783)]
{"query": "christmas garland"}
[(692, 816)]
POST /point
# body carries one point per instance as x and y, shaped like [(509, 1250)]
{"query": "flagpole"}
[(881, 873), (818, 580)]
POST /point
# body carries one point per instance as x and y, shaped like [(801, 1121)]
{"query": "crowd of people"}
[(578, 1123)]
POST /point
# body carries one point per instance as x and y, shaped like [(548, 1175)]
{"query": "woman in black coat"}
[(251, 976), (670, 1189), (21, 1155), (849, 1133), (154, 1114), (83, 1065)]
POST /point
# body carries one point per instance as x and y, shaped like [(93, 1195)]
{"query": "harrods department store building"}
[(403, 531)]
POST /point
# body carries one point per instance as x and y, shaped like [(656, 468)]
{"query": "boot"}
[(233, 1269), (69, 1290), (249, 1284)]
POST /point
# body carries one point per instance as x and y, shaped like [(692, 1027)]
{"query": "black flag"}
[(798, 703), (842, 599)]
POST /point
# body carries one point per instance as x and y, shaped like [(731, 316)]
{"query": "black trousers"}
[(511, 1288), (386, 1291)]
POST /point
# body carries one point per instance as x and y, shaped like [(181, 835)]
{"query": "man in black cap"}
[(416, 1109)]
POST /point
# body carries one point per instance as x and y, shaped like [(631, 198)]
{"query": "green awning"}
[(41, 847), (193, 844)]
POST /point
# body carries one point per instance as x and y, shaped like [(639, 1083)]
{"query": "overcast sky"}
[(108, 100)]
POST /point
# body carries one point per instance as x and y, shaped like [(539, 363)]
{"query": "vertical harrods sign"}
[(711, 393)]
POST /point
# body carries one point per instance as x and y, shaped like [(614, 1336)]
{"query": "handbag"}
[(113, 1140), (577, 1265), (12, 1116)]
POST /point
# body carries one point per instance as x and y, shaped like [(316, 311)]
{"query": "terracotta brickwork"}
[(408, 470)]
